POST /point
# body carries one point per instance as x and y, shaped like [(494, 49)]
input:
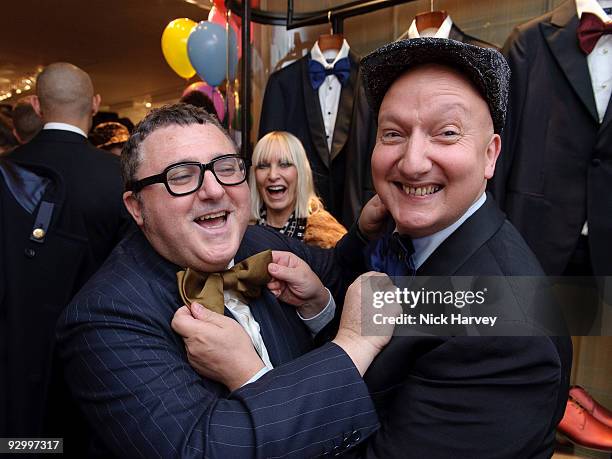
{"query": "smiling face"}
[(202, 230), (276, 178), (435, 149)]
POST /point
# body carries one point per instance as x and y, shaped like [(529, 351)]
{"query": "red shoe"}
[(599, 412), (583, 429)]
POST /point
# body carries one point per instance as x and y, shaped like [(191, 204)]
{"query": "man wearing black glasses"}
[(131, 374)]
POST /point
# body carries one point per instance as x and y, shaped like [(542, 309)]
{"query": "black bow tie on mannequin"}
[(318, 73)]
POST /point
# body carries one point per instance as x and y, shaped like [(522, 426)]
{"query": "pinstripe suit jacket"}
[(129, 372)]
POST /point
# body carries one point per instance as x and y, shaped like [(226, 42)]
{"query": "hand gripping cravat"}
[(245, 279)]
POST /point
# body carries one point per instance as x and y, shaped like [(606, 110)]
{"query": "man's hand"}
[(372, 218), (218, 348), (362, 347), (295, 283)]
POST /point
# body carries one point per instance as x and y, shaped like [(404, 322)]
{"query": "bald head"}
[(65, 94)]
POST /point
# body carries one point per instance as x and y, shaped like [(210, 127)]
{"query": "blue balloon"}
[(206, 50)]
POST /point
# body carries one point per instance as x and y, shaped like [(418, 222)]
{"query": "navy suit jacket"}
[(472, 396), (129, 372)]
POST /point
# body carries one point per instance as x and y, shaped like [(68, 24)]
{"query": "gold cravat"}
[(245, 279)]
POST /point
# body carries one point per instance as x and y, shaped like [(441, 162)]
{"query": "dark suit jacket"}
[(467, 396), (556, 161), (88, 220), (459, 35), (129, 372), (33, 402), (342, 177), (93, 188)]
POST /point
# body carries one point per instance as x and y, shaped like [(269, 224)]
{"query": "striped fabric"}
[(129, 372)]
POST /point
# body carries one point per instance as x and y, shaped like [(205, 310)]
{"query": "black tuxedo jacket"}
[(129, 371), (37, 280), (342, 177), (89, 218), (459, 35), (93, 187), (469, 396), (556, 160)]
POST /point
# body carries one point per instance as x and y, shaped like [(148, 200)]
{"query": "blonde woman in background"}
[(282, 192)]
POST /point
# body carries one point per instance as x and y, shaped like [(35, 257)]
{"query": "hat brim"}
[(485, 67)]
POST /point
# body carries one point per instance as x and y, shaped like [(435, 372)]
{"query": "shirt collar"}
[(425, 246), (592, 6), (321, 56), (442, 32), (65, 127)]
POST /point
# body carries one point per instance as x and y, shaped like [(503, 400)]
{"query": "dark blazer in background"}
[(342, 177), (88, 220), (129, 371), (468, 396), (459, 35), (93, 187), (37, 280), (555, 165)]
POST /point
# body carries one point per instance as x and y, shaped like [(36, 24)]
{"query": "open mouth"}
[(424, 190), (276, 190), (213, 219)]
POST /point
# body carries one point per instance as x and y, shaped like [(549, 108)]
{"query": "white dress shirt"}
[(442, 32), (425, 246), (329, 91), (600, 59), (242, 313), (65, 127)]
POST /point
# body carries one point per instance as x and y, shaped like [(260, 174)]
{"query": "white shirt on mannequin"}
[(329, 91)]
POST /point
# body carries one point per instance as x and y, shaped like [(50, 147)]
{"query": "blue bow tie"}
[(392, 255), (318, 73)]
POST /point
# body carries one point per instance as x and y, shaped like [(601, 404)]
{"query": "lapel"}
[(560, 35), (314, 118), (345, 108), (457, 249)]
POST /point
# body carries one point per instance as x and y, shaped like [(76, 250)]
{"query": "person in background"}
[(197, 99), (110, 136), (26, 122), (7, 139), (282, 192)]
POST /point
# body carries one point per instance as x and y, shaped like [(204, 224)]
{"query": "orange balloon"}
[(174, 46)]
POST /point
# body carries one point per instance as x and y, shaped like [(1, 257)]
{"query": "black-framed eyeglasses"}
[(186, 177)]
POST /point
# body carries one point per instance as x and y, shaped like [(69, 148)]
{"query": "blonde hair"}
[(291, 150)]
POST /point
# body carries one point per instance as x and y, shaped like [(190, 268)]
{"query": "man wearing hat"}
[(110, 136), (441, 107)]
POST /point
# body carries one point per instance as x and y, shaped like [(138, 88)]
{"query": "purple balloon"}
[(212, 93)]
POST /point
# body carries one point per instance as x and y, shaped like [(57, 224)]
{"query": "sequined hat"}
[(486, 67)]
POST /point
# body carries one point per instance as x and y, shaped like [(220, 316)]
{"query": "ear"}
[(19, 139), (134, 207), (492, 154), (35, 101), (95, 104)]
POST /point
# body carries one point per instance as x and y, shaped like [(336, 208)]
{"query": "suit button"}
[(30, 253), (596, 162), (337, 451), (355, 436)]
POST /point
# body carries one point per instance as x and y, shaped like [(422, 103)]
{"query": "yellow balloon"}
[(174, 46)]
